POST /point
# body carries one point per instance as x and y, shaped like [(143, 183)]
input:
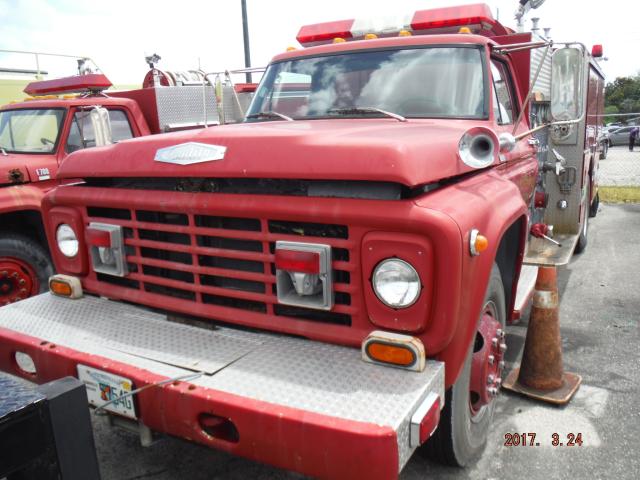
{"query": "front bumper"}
[(297, 404)]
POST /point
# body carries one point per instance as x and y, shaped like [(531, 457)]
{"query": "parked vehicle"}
[(325, 287), (620, 136), (36, 135)]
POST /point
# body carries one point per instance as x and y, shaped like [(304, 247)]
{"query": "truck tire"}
[(25, 268), (462, 433), (584, 235), (593, 209)]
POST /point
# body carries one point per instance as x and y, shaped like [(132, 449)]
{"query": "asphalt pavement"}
[(600, 301)]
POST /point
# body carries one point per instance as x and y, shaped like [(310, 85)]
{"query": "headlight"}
[(396, 283), (67, 240)]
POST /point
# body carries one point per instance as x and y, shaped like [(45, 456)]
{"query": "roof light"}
[(477, 15), (324, 32), (291, 49), (93, 82), (339, 40), (477, 18), (370, 36), (597, 51), (464, 30)]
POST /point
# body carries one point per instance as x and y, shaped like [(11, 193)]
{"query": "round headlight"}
[(396, 283), (67, 240)]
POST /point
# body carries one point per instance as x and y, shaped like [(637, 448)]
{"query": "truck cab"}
[(36, 135)]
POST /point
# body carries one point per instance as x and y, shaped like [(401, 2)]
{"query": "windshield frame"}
[(54, 150), (486, 108)]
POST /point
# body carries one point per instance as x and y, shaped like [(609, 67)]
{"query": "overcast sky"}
[(118, 34)]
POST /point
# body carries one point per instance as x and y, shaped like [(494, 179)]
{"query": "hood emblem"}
[(190, 153)]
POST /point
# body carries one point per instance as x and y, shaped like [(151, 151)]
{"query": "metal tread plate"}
[(311, 376)]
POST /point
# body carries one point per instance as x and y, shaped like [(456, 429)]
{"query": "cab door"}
[(81, 134)]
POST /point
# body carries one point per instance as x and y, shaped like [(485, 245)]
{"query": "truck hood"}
[(411, 153)]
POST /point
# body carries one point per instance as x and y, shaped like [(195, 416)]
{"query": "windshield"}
[(417, 82), (30, 130)]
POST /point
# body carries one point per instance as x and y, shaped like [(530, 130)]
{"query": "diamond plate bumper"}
[(297, 404)]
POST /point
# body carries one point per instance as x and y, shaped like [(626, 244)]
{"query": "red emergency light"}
[(477, 17), (92, 82), (298, 261), (98, 238), (597, 51)]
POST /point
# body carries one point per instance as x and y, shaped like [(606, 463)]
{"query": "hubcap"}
[(487, 362), (17, 280)]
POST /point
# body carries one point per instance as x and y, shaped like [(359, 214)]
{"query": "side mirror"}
[(101, 126), (567, 84)]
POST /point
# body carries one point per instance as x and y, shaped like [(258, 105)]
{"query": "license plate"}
[(103, 387)]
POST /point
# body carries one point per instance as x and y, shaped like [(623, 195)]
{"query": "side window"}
[(120, 128), (502, 97), (81, 133)]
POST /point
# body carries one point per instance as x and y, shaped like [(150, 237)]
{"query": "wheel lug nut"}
[(493, 391), (503, 347), (21, 282), (501, 364), (491, 379), (491, 359), (4, 273), (14, 274), (494, 341), (23, 291), (498, 382)]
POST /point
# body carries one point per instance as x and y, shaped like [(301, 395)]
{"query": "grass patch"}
[(619, 194)]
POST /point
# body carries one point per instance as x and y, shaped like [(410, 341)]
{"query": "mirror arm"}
[(531, 87)]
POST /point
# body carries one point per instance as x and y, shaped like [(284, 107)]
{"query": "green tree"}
[(623, 94)]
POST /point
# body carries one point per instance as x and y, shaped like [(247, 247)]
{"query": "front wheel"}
[(25, 268), (470, 402)]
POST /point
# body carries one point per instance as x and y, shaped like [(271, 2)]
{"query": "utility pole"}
[(245, 34)]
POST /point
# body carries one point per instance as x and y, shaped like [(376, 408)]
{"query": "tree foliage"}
[(623, 95)]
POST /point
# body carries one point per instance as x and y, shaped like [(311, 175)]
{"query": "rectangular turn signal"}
[(395, 350), (65, 286)]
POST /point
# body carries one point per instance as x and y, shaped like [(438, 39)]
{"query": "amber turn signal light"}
[(388, 353), (394, 349), (477, 243), (65, 286)]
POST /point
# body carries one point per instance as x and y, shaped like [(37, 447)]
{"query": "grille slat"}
[(226, 262)]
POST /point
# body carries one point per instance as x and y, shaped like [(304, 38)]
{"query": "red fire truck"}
[(325, 286), (38, 134)]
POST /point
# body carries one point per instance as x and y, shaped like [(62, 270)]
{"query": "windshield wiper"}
[(356, 110), (4, 152), (270, 114)]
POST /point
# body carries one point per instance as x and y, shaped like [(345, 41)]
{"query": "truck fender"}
[(20, 197), (491, 204)]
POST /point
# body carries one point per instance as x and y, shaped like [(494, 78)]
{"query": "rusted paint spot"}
[(16, 176)]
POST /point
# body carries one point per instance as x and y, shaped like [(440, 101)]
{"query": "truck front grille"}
[(223, 261)]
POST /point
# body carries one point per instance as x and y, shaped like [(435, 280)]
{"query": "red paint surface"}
[(285, 437)]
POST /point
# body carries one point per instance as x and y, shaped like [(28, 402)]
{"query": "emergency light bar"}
[(91, 82), (477, 17)]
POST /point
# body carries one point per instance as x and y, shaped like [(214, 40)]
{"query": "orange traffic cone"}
[(541, 374)]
